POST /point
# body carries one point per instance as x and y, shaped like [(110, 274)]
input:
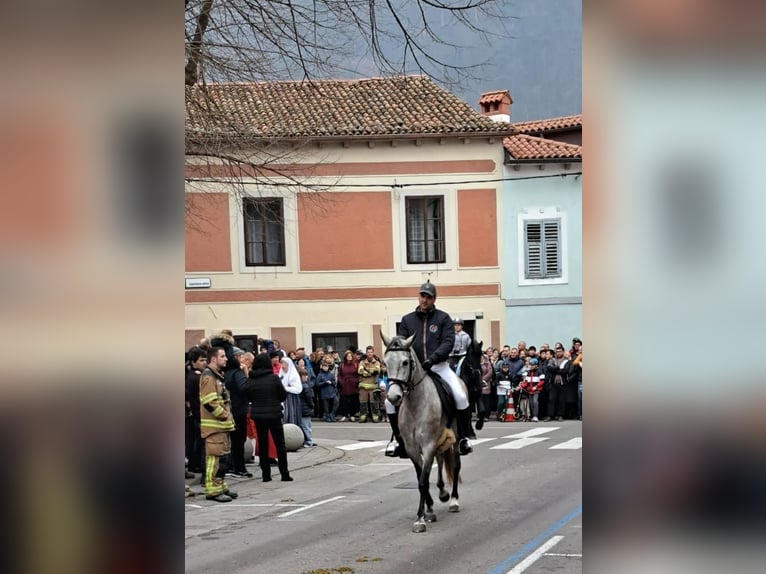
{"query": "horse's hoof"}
[(430, 517), (419, 527), (444, 497), (454, 506)]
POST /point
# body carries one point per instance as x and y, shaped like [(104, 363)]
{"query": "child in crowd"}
[(307, 402), (533, 384), (503, 389), (327, 391)]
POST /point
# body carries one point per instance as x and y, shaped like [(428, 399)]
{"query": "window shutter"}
[(534, 264), (552, 249)]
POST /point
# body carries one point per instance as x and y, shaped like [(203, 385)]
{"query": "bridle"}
[(406, 384)]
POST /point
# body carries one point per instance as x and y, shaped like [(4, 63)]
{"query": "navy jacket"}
[(434, 334)]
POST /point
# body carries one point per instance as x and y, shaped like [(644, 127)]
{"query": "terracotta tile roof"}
[(553, 124), (496, 96), (405, 105), (524, 147)]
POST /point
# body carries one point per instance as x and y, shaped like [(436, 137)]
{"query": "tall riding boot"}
[(399, 451), (375, 408), (464, 431)]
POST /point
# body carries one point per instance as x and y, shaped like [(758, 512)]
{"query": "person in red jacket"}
[(348, 381), (533, 384)]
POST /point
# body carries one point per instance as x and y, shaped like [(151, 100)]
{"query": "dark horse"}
[(469, 369), (423, 426)]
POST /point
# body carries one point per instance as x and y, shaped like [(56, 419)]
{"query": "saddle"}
[(445, 396)]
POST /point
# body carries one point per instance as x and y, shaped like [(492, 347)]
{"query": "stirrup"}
[(391, 448)]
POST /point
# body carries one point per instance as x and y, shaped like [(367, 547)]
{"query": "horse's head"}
[(471, 369), (402, 367)]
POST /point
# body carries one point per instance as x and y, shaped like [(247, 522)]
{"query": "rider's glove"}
[(427, 364)]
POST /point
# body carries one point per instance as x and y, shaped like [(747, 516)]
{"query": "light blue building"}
[(541, 230)]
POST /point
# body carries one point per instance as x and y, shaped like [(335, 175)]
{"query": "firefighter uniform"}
[(216, 422)]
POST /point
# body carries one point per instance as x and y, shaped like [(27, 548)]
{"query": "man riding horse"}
[(434, 340)]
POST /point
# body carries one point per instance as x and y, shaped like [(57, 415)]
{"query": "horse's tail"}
[(446, 446)]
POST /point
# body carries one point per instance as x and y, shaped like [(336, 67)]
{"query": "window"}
[(264, 232), (338, 341), (543, 249), (425, 229)]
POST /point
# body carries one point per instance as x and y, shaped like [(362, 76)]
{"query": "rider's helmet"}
[(458, 321)]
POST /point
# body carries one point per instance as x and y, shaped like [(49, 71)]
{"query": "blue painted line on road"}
[(517, 556)]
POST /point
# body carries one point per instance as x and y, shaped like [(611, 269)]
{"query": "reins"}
[(406, 385)]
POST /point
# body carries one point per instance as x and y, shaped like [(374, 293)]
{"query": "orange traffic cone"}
[(509, 418)]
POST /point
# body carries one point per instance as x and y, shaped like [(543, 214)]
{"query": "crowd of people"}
[(233, 394)]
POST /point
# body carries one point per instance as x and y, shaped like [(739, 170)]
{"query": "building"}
[(371, 187), (541, 227)]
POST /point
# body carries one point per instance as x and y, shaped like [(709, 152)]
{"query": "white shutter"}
[(552, 243), (534, 249)]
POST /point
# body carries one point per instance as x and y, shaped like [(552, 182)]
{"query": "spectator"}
[(327, 390), (234, 380), (307, 402), (487, 386), (285, 369), (216, 422), (266, 393), (503, 389), (532, 384), (577, 366), (195, 446), (348, 380), (556, 380), (369, 369), (382, 392)]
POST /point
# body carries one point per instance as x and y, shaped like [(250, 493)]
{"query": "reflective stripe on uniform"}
[(224, 425)]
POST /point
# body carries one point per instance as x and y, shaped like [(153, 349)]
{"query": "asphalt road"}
[(521, 501)]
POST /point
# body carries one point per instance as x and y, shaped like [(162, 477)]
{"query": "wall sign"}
[(198, 283)]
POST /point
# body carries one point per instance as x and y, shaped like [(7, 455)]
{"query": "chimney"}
[(496, 105)]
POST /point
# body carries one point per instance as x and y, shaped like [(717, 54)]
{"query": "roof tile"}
[(539, 126), (533, 148), (404, 105)]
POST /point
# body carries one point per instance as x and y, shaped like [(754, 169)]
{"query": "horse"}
[(469, 370), (423, 426)]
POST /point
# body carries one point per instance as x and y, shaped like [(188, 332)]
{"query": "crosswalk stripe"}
[(533, 432), (572, 444), (481, 440), (363, 445), (519, 443)]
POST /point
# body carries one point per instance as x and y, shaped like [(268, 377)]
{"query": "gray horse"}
[(423, 426)]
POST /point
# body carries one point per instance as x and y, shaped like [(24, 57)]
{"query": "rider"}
[(434, 340), (460, 348)]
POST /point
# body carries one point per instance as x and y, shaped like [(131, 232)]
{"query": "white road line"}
[(532, 432), (195, 505), (481, 440), (519, 443), (265, 505), (564, 555), (321, 502), (532, 558), (362, 445), (572, 444)]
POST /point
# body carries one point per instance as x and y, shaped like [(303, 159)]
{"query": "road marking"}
[(564, 555), (321, 502), (195, 505), (265, 505), (519, 443), (532, 432), (532, 558), (481, 440), (572, 444), (502, 568), (362, 445)]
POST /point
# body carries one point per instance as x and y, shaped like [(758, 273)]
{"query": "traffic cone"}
[(509, 418)]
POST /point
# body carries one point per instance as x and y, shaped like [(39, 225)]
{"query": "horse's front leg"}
[(454, 504), (443, 494), (425, 508)]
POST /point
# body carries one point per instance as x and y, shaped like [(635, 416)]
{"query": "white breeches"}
[(449, 376)]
